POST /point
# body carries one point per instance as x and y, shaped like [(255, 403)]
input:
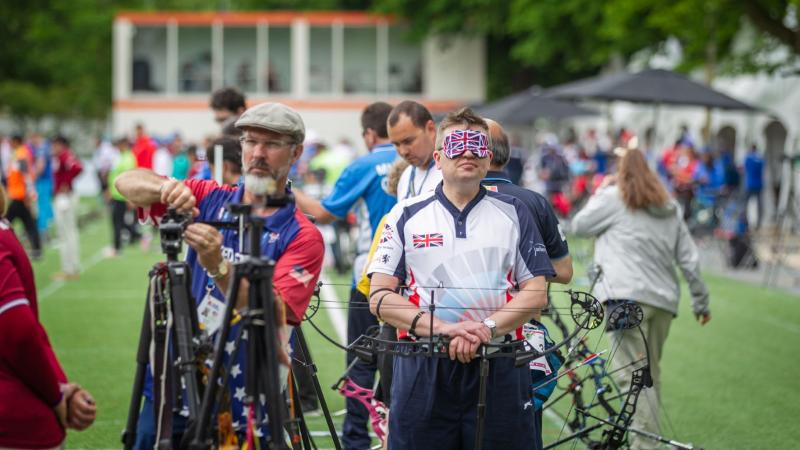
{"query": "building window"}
[(320, 60), (360, 60), (278, 71), (405, 63), (239, 58), (194, 59), (149, 59)]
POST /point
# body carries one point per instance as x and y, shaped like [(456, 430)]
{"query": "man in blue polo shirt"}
[(468, 247), (363, 185)]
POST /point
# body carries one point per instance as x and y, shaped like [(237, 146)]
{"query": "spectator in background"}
[(105, 155), (228, 104), (196, 165), (43, 167), (706, 180), (5, 158), (37, 403), (143, 148), (180, 163), (66, 168), (682, 170), (162, 158), (19, 179), (554, 170), (754, 180), (120, 217), (231, 159), (630, 209)]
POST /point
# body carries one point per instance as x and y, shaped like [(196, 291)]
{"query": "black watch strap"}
[(411, 330)]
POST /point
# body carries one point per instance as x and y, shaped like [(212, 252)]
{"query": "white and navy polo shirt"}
[(469, 260)]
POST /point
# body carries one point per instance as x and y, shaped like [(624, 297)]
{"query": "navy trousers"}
[(434, 405)]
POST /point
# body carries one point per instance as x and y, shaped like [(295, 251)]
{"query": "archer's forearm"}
[(140, 186), (526, 304)]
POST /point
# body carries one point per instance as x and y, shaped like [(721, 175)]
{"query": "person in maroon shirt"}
[(66, 168), (37, 403)]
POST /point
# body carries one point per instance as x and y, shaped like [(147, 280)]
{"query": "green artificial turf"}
[(732, 384)]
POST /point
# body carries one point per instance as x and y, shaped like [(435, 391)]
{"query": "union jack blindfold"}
[(459, 141)]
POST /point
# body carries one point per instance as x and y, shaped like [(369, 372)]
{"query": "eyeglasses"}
[(459, 141), (268, 144)]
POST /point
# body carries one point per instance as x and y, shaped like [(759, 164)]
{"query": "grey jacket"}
[(638, 251)]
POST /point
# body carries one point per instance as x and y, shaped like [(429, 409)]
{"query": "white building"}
[(327, 65)]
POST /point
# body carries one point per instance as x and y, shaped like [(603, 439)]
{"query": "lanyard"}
[(411, 191)]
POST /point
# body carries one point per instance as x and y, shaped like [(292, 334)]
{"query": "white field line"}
[(54, 286), (336, 315)]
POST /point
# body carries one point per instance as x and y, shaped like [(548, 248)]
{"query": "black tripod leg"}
[(185, 329), (142, 358), (202, 438), (305, 356), (481, 422)]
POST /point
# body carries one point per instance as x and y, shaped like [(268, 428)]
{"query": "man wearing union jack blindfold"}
[(463, 249)]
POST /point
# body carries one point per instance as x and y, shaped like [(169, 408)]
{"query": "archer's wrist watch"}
[(222, 270), (492, 326)]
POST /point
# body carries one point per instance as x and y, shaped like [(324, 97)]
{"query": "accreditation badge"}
[(210, 313), (535, 337)]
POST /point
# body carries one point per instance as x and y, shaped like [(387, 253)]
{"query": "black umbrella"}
[(524, 107), (648, 86)]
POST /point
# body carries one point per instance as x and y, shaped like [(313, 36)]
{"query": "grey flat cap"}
[(275, 117)]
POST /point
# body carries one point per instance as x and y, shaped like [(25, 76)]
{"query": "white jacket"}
[(638, 251)]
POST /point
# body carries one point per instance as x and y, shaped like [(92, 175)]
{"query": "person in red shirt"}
[(36, 401), (143, 148), (66, 168)]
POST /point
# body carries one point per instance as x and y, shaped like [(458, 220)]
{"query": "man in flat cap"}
[(271, 142)]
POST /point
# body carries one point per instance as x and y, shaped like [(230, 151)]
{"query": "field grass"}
[(732, 384)]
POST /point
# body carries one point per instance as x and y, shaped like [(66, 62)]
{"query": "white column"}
[(262, 56), (382, 60), (337, 58), (217, 55), (172, 58), (300, 52), (123, 58)]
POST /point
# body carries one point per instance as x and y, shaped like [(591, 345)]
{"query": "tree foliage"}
[(550, 41), (56, 56)]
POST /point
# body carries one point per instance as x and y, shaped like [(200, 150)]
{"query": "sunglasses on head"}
[(459, 141)]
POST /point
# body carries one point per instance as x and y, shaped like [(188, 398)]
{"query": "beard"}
[(260, 186)]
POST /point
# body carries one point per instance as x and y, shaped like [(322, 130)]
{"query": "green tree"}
[(56, 58), (551, 41)]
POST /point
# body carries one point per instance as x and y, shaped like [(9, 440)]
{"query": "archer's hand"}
[(462, 349), (177, 195), (207, 242), (81, 410), (475, 332), (703, 318)]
